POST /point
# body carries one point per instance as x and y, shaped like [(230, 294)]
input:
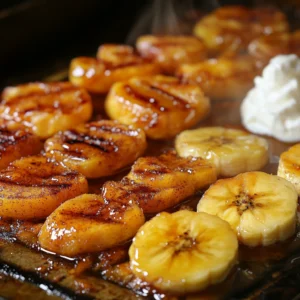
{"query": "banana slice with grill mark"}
[(260, 208), (184, 251), (171, 51), (89, 223), (32, 187), (97, 149), (113, 63), (232, 151), (45, 108), (161, 105), (289, 166)]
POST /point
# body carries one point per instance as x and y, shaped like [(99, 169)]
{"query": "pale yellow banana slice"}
[(260, 208), (289, 166), (89, 224), (184, 251), (232, 151)]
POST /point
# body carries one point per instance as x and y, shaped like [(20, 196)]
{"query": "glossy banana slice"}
[(32, 187), (171, 51), (230, 29), (45, 108), (184, 251), (89, 224), (289, 166), (114, 63), (162, 106), (97, 149), (231, 151), (161, 182), (260, 208), (16, 144), (222, 78)]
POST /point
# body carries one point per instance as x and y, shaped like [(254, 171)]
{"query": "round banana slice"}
[(232, 151), (260, 208), (289, 166), (32, 187), (113, 63), (89, 224), (45, 108), (184, 251), (97, 149), (161, 105), (171, 51)]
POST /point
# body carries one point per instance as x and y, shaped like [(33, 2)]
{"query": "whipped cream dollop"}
[(272, 107)]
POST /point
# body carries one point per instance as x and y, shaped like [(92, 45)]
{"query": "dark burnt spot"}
[(112, 128), (11, 138)]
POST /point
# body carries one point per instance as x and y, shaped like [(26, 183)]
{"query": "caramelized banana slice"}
[(45, 108), (161, 182), (222, 78), (114, 63), (89, 224), (32, 187), (231, 28), (16, 144), (160, 105), (97, 149), (171, 51)]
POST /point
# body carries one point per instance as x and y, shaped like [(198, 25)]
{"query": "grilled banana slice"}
[(184, 251), (289, 166), (222, 78), (114, 63), (16, 144), (171, 51), (232, 151), (260, 208), (45, 108), (32, 187), (97, 149), (89, 224), (230, 28), (160, 105), (161, 182)]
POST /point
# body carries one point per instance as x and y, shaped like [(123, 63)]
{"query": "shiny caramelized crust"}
[(162, 106), (45, 108), (223, 78), (171, 51), (231, 28), (16, 144), (266, 47), (89, 224), (161, 182), (32, 187), (97, 149), (113, 63)]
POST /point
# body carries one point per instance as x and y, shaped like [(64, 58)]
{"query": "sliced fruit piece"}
[(89, 224), (97, 149), (260, 208), (32, 187), (184, 251), (289, 166), (232, 151)]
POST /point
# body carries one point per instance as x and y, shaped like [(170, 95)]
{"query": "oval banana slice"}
[(184, 251), (89, 224), (161, 105), (32, 187), (171, 51), (289, 166), (260, 208), (232, 151), (97, 149), (15, 144), (113, 63), (45, 108)]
